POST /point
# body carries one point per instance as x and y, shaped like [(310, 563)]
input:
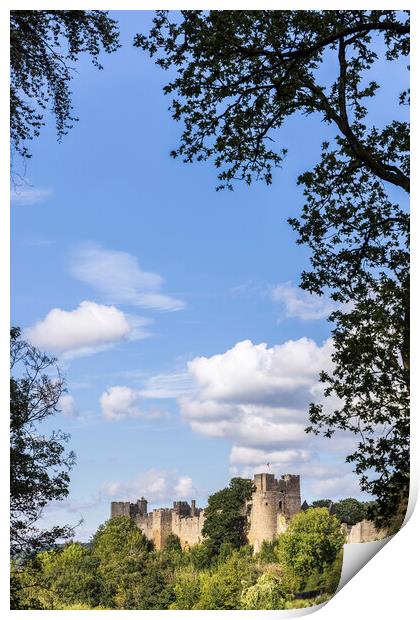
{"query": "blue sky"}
[(171, 389)]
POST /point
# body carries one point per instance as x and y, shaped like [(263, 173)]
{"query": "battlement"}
[(129, 509), (265, 482)]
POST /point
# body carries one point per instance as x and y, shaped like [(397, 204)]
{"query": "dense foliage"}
[(238, 76), (226, 521), (359, 241), (119, 569), (43, 46), (39, 464), (349, 510), (310, 544)]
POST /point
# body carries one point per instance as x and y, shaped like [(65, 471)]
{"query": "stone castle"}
[(272, 504)]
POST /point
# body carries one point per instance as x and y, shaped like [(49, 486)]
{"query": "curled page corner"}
[(356, 555)]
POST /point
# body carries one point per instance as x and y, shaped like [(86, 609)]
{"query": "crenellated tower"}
[(272, 505)]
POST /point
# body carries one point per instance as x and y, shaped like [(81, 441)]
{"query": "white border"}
[(387, 585)]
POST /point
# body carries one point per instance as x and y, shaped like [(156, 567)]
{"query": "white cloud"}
[(257, 397), (118, 276), (301, 304), (257, 374), (67, 405), (157, 486), (120, 402), (28, 195), (240, 455), (85, 330)]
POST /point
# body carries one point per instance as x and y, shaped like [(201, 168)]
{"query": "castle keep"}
[(272, 504)]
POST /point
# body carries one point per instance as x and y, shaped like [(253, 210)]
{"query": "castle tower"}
[(272, 504), (265, 506), (161, 526), (142, 507), (120, 509), (292, 495)]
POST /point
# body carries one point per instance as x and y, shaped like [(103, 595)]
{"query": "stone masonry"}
[(272, 504)]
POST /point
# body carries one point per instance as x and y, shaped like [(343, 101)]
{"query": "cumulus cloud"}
[(120, 402), (296, 302), (257, 375), (118, 276), (257, 397), (87, 329), (157, 486)]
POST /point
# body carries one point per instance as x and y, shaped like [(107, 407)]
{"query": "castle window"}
[(281, 505), (266, 503)]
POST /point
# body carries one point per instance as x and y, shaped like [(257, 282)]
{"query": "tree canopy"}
[(226, 521), (350, 510), (39, 464), (240, 74), (43, 47), (310, 544)]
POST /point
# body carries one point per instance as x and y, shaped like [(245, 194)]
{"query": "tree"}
[(310, 545), (225, 518), (267, 593), (359, 241), (122, 553), (239, 76), (321, 503), (222, 588), (349, 511), (58, 579), (186, 588), (43, 44), (172, 544), (39, 465)]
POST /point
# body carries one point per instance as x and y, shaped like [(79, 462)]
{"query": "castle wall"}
[(188, 529), (157, 526), (145, 524), (364, 531)]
